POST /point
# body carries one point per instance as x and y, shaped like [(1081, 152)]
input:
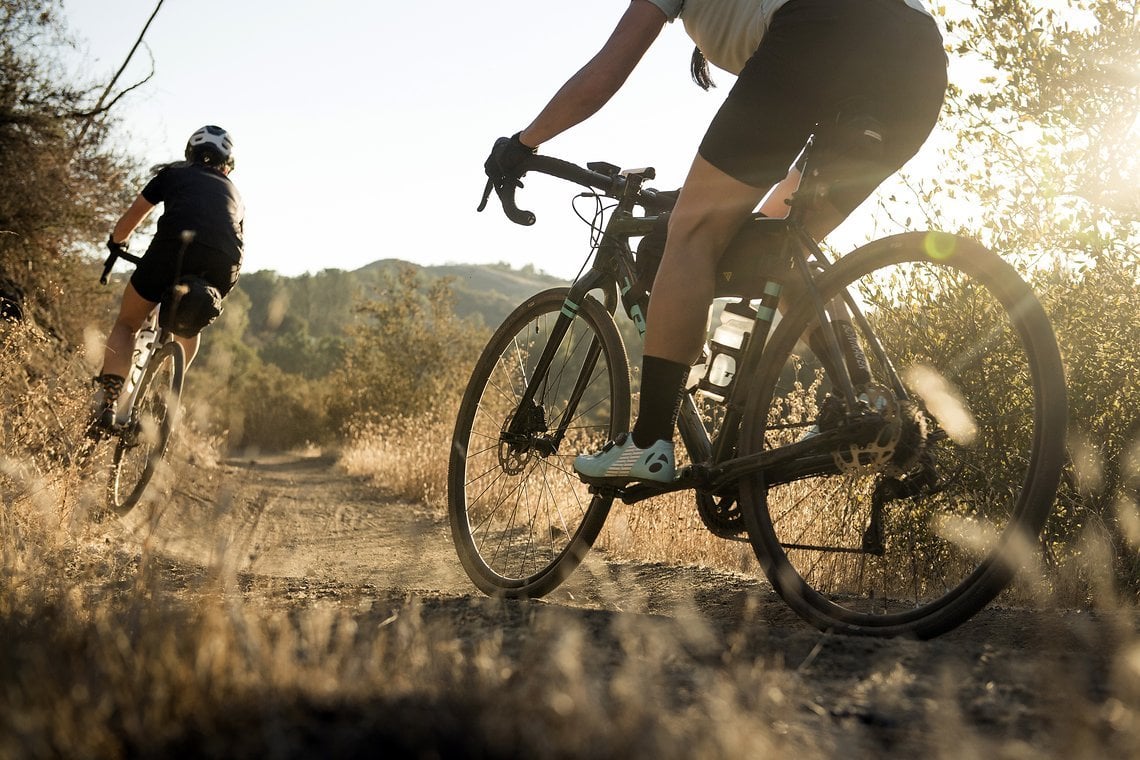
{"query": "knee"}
[(703, 232), (693, 245)]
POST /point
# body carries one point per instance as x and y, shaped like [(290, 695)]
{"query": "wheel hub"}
[(519, 440), (897, 444)]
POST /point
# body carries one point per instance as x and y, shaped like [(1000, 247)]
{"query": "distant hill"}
[(297, 323), (489, 291)]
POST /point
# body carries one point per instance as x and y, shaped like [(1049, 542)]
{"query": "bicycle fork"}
[(529, 417)]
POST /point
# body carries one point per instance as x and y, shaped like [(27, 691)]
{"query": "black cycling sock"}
[(661, 384), (112, 387)]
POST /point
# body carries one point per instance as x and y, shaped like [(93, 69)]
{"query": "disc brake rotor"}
[(518, 436), (898, 443)]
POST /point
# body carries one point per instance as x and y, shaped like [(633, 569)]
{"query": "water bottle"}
[(144, 342), (728, 340)]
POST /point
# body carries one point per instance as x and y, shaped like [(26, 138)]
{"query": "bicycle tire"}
[(143, 441), (521, 520), (981, 363)]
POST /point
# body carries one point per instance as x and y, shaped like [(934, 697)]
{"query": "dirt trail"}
[(1033, 681)]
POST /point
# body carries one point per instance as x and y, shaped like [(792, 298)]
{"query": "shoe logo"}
[(655, 462)]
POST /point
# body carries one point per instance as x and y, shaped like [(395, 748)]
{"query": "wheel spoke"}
[(963, 465), (519, 515), (144, 439)]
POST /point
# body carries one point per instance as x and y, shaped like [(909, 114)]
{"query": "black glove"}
[(115, 248), (506, 155)]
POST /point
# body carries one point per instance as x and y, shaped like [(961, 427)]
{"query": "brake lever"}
[(486, 194), (506, 195), (108, 263)]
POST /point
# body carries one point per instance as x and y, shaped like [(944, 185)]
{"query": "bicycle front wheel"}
[(914, 528), (520, 518), (143, 441)]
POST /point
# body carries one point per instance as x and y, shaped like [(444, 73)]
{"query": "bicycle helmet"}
[(212, 146)]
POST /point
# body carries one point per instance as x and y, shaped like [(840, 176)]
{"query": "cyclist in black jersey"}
[(801, 66), (198, 196)]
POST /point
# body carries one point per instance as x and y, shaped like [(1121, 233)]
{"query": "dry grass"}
[(111, 650), (116, 652), (669, 529), (405, 457), (142, 673)]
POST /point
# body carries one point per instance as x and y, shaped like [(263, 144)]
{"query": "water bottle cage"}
[(721, 368)]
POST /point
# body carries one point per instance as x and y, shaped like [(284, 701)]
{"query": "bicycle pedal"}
[(97, 433), (603, 490)]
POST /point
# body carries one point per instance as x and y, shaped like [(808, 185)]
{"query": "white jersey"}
[(729, 31)]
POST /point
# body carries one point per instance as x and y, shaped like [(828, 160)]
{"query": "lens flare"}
[(939, 245), (943, 402)]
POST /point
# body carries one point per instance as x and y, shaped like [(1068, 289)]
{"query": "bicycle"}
[(888, 487), (148, 407)]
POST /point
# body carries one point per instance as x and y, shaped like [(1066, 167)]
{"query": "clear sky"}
[(361, 127)]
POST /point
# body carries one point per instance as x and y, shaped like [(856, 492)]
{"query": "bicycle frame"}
[(715, 468), (145, 347), (870, 509), (148, 340), (612, 272)]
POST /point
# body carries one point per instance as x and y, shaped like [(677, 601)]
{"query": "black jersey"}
[(196, 197)]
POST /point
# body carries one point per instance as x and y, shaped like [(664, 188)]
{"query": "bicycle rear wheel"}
[(143, 441), (520, 518), (916, 528)]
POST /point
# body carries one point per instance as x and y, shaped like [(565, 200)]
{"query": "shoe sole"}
[(618, 482)]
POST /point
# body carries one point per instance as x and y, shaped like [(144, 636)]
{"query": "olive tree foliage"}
[(1045, 112), (404, 357), (59, 194), (1044, 168)]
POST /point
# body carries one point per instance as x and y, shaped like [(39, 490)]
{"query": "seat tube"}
[(828, 333), (769, 301), (856, 359)]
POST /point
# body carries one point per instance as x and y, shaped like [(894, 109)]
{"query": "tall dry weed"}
[(42, 409), (406, 457)]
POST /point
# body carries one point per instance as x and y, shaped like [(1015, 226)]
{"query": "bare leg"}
[(133, 311), (709, 211)]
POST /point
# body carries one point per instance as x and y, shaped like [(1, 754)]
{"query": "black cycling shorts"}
[(820, 59), (158, 269)]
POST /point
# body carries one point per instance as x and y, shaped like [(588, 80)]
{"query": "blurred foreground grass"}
[(109, 648)]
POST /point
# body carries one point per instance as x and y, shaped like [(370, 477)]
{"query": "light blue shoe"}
[(621, 462)]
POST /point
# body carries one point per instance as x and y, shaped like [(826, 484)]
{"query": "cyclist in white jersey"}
[(801, 66)]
